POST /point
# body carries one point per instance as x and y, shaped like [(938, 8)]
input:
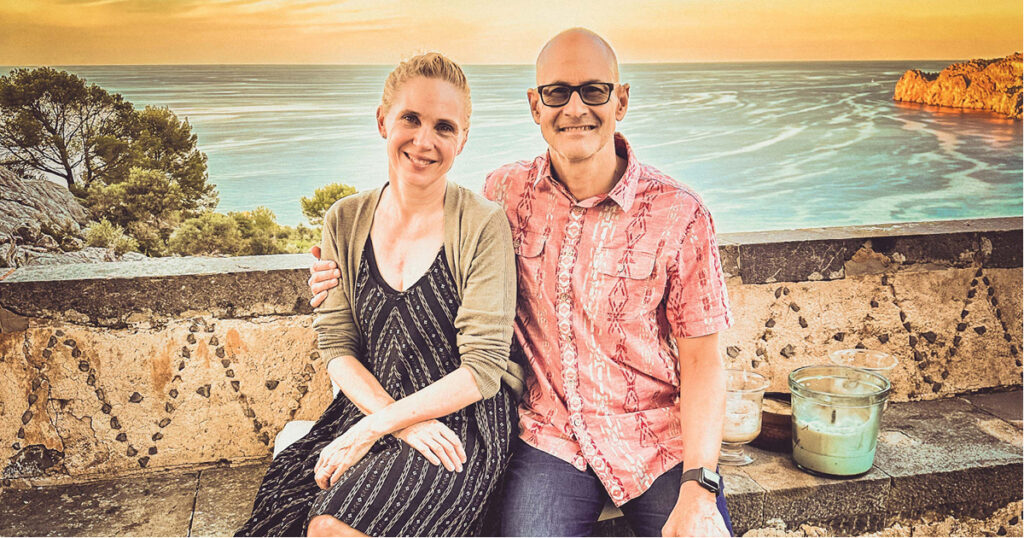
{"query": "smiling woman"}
[(417, 336)]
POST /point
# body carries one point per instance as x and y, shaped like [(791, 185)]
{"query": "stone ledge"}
[(979, 472), (117, 294)]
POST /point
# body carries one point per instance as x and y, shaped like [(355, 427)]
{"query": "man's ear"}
[(623, 94), (380, 122), (534, 98)]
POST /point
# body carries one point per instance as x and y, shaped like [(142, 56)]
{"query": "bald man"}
[(621, 297)]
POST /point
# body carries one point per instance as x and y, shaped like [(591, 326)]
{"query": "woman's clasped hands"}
[(431, 438)]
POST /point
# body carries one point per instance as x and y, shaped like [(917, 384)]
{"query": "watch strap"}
[(707, 478)]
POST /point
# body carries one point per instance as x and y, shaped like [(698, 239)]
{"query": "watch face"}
[(709, 479)]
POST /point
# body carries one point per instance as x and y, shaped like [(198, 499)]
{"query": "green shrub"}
[(104, 234), (210, 233), (323, 198)]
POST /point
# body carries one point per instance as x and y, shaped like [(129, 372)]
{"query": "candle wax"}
[(742, 421), (838, 441)]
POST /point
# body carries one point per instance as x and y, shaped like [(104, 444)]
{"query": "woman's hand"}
[(344, 452), (437, 442), (323, 275)]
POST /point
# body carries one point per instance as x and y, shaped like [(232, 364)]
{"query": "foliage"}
[(107, 235), (323, 198), (51, 122), (148, 204), (210, 233)]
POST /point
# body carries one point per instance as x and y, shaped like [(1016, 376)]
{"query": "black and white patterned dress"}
[(409, 343)]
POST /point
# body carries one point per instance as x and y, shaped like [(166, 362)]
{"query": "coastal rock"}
[(41, 224), (993, 85)]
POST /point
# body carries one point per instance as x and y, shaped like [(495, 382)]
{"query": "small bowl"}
[(776, 424)]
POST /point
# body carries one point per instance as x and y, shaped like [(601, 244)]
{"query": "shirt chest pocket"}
[(622, 285), (529, 248)]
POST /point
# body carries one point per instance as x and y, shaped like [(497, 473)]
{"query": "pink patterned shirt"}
[(604, 285)]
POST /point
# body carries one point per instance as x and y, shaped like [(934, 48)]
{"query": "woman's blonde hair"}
[(430, 65)]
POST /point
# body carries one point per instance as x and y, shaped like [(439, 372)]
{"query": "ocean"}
[(767, 145)]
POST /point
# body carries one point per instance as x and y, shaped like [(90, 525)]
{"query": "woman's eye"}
[(444, 127), (409, 118)]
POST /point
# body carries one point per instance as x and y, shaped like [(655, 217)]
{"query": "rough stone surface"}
[(224, 500), (849, 506), (202, 384), (32, 212), (155, 506), (993, 85), (115, 295), (947, 457), (745, 499), (1005, 405)]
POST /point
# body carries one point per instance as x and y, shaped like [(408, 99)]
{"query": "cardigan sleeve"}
[(484, 319), (337, 334)]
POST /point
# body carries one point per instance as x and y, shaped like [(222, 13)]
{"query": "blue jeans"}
[(545, 496)]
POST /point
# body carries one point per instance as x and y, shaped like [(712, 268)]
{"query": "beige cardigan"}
[(478, 249)]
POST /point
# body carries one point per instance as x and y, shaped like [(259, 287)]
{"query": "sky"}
[(83, 32)]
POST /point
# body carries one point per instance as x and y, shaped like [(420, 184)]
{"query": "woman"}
[(417, 336)]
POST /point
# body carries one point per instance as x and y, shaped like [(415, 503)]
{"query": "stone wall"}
[(122, 368)]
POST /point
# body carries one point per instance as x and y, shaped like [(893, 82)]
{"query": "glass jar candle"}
[(837, 411)]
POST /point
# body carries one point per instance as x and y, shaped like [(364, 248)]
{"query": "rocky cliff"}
[(993, 85), (41, 224)]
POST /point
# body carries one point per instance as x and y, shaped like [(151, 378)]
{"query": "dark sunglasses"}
[(592, 93)]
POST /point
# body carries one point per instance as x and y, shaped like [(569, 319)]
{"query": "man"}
[(621, 297)]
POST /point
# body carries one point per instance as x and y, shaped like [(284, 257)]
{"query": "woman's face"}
[(425, 129)]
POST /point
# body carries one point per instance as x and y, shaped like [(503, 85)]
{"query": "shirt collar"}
[(624, 192)]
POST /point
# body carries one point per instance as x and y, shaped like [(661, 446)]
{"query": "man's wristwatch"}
[(705, 477)]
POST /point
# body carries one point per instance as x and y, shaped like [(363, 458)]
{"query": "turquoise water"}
[(768, 145)]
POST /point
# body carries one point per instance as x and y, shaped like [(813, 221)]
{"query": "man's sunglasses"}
[(593, 93)]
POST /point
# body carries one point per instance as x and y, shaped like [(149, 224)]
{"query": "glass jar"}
[(837, 411)]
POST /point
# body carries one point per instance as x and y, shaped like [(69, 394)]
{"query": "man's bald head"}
[(571, 45)]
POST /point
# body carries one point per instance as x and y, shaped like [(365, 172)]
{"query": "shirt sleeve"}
[(484, 319), (337, 334), (698, 303)]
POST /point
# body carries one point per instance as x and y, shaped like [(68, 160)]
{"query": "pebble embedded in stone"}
[(214, 342), (158, 436), (191, 338), (907, 326), (918, 356), (963, 314), (51, 342), (131, 451), (122, 437), (272, 384), (778, 292), (143, 461), (168, 407), (961, 327), (204, 391), (27, 416), (234, 385), (83, 366), (219, 352), (32, 398), (794, 307), (802, 321), (929, 336), (114, 423), (264, 438), (770, 323), (883, 338), (105, 409), (70, 343), (185, 352), (980, 329), (956, 340), (164, 422), (91, 380), (21, 433), (229, 373), (732, 351), (76, 353), (135, 397), (152, 450), (788, 351), (173, 393), (225, 363), (839, 336), (971, 293)]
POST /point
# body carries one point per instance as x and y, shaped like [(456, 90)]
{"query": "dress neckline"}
[(371, 260)]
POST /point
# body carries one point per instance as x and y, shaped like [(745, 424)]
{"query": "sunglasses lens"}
[(595, 94), (556, 95)]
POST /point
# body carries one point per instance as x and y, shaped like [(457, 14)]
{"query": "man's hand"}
[(343, 452), (695, 514), (323, 275), (436, 442)]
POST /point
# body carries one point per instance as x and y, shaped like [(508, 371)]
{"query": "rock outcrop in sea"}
[(41, 224), (993, 85)]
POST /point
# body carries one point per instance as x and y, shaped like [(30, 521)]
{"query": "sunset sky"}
[(74, 32)]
